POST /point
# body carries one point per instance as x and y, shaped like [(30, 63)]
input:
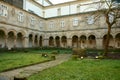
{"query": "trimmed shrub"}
[(20, 78), (80, 52), (54, 52), (101, 57)]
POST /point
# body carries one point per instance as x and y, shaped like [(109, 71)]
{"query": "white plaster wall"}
[(37, 10), (51, 12), (65, 10)]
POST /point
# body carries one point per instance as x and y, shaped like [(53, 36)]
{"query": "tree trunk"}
[(107, 41)]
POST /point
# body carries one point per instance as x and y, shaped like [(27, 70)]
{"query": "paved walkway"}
[(30, 70)]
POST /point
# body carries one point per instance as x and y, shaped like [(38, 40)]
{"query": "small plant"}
[(53, 57), (75, 57), (44, 55), (100, 53)]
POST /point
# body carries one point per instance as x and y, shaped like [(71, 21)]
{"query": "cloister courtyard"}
[(31, 64), (41, 40)]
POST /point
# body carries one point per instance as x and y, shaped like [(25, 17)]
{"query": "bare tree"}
[(111, 14), (110, 9)]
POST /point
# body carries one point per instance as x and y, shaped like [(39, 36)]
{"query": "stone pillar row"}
[(45, 42)]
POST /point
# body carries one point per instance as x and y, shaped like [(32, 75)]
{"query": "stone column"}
[(33, 41), (99, 43), (114, 42), (54, 40), (45, 42), (69, 42), (60, 42), (15, 40), (6, 39), (25, 42), (38, 41), (86, 45)]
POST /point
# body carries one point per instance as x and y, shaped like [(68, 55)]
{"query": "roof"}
[(51, 2)]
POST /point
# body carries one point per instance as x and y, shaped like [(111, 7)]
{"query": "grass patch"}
[(17, 59), (86, 69)]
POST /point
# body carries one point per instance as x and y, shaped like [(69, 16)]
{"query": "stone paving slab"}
[(30, 70)]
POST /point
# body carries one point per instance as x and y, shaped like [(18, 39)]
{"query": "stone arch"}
[(92, 41), (2, 39), (83, 41), (64, 41), (75, 41), (117, 40), (14, 31), (93, 34), (22, 32), (51, 41), (19, 42), (111, 42), (57, 41), (5, 30), (11, 40), (73, 34), (30, 40)]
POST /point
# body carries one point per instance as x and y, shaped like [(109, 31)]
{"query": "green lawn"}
[(10, 60), (17, 59), (87, 69)]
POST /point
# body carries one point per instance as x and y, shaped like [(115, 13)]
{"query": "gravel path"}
[(30, 70)]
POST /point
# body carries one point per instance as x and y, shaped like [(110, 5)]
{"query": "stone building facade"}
[(21, 29)]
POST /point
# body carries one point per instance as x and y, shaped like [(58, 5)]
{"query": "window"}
[(51, 24), (75, 22), (59, 11), (32, 20), (20, 17), (118, 1), (3, 10), (78, 8), (111, 17), (90, 19), (41, 24), (62, 24)]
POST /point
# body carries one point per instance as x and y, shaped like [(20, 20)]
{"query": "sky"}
[(60, 1)]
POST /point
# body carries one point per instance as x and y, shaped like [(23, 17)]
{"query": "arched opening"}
[(40, 41), (117, 40), (64, 41), (19, 42), (83, 41), (91, 41), (51, 41), (75, 41), (111, 41), (30, 40), (2, 39), (57, 40), (11, 38), (36, 41)]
